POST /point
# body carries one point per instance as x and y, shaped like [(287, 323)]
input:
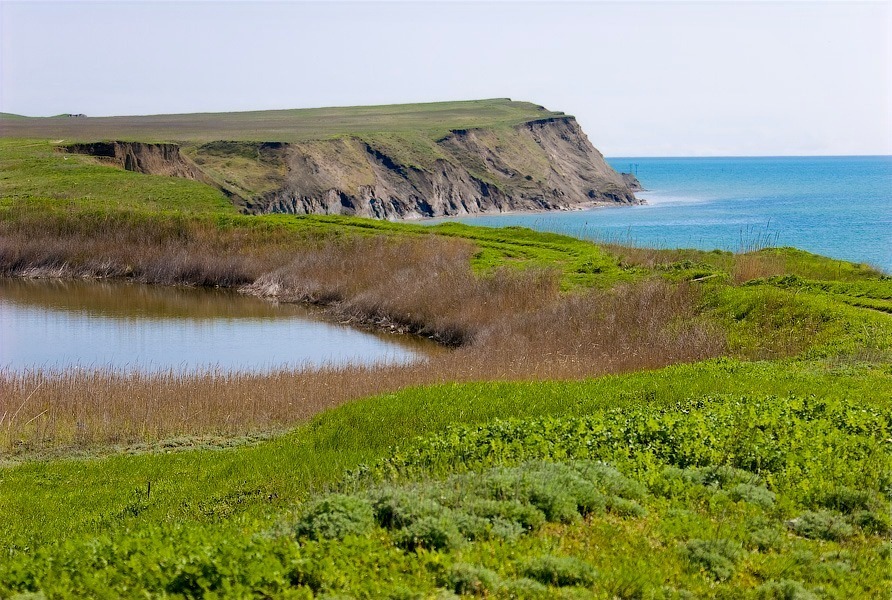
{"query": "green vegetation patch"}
[(296, 125), (500, 525), (34, 177), (46, 500)]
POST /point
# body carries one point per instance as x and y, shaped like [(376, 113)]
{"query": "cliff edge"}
[(545, 164), (389, 162)]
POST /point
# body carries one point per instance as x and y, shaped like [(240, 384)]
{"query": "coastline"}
[(581, 207)]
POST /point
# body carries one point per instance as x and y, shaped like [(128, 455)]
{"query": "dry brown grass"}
[(629, 328), (757, 266), (151, 251), (654, 258), (743, 266), (509, 324), (422, 286)]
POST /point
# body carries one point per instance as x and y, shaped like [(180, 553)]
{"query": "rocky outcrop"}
[(151, 159), (547, 164), (632, 182), (544, 164)]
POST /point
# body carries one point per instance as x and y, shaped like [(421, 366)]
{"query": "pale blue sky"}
[(643, 78)]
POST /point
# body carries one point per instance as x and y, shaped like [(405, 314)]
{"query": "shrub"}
[(721, 476), (499, 502), (472, 580), (432, 533), (625, 508), (556, 490), (784, 589), (472, 527), (528, 517), (873, 522), (395, 508), (334, 517), (764, 539), (674, 481), (752, 494), (555, 503), (847, 500), (506, 530), (822, 525), (609, 480), (716, 557), (524, 589), (403, 593), (564, 491), (559, 571)]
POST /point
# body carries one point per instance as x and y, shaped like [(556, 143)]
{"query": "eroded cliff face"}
[(547, 164), (543, 164), (151, 159)]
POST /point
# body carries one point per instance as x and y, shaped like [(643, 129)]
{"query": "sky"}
[(643, 78)]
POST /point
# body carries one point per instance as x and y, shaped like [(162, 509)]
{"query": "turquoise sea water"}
[(836, 206)]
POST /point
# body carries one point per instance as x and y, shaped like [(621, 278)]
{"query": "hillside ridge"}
[(397, 162)]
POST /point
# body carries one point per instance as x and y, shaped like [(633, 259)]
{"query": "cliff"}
[(151, 159), (544, 163)]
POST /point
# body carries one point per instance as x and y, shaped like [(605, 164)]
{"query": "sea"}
[(838, 206)]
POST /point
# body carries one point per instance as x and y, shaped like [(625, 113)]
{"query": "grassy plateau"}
[(603, 422)]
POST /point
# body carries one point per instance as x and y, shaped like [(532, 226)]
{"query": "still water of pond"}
[(58, 324)]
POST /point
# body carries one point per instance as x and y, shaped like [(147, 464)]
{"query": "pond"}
[(54, 324)]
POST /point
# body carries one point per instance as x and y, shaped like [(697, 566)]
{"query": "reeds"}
[(509, 324), (629, 328), (749, 262)]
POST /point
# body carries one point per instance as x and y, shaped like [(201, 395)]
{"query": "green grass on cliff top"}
[(435, 118)]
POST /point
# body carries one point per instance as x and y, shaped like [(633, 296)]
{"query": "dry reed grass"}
[(162, 252), (509, 324), (757, 266), (422, 286), (654, 258), (746, 265), (633, 327)]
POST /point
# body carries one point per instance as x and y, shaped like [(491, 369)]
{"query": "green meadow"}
[(418, 120), (759, 466)]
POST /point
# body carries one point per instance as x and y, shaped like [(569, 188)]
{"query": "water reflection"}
[(56, 324)]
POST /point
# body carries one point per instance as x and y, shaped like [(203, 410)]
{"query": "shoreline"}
[(535, 211)]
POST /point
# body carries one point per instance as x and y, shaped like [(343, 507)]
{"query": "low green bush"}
[(764, 537), (821, 525), (625, 508), (873, 522), (512, 511), (465, 579), (334, 517), (752, 494), (432, 533), (848, 500), (559, 571), (502, 502), (783, 589), (717, 557)]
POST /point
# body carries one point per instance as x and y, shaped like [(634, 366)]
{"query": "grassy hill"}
[(395, 161)]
